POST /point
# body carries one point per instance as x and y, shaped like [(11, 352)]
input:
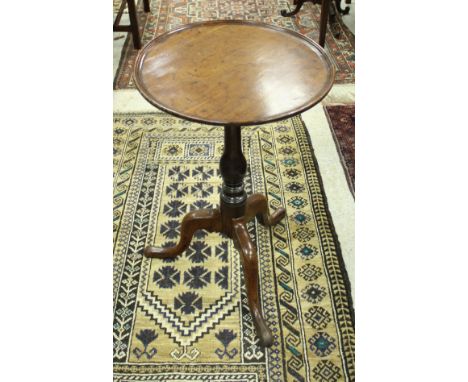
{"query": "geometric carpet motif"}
[(342, 126), (167, 15), (187, 319)]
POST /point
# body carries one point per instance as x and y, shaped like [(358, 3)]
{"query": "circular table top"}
[(233, 72)]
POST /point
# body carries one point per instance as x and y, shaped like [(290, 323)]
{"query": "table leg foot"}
[(299, 5), (257, 205), (209, 219), (249, 257)]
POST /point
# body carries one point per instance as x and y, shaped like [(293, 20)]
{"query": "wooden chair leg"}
[(134, 24), (323, 21), (195, 220), (257, 205), (249, 258), (146, 5)]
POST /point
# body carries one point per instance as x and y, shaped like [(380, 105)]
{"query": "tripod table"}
[(232, 74)]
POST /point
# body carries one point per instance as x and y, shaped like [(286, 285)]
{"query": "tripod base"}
[(231, 219)]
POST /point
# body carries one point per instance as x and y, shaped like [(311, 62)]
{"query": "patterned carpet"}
[(187, 319), (341, 119), (167, 14)]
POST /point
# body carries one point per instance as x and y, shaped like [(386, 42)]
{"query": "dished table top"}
[(233, 72)]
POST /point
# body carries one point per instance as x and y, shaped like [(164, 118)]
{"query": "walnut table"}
[(233, 74)]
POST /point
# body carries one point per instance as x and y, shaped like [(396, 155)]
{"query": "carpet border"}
[(119, 67), (332, 225), (337, 144), (342, 278)]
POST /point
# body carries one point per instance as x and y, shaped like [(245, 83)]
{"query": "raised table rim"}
[(314, 101)]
